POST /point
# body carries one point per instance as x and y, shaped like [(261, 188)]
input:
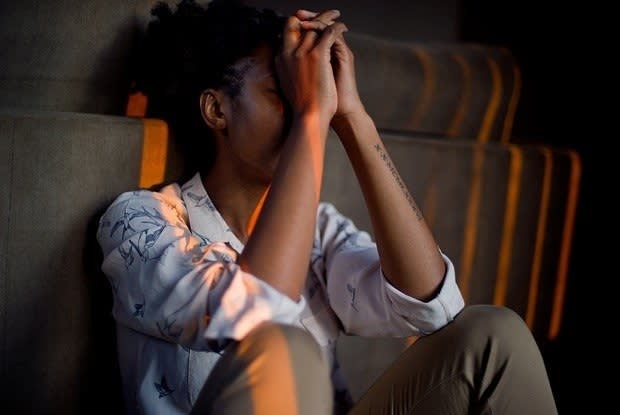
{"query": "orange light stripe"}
[(428, 70), (484, 134), (510, 219), (410, 340), (154, 152), (256, 213), (136, 105), (471, 223), (464, 99), (539, 243), (512, 105), (567, 237)]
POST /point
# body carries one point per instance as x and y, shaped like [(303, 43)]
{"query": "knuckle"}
[(291, 21), (336, 28), (331, 29), (333, 12)]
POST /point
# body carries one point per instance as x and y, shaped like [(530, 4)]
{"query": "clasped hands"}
[(316, 66)]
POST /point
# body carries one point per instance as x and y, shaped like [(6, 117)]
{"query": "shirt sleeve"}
[(360, 295), (167, 285)]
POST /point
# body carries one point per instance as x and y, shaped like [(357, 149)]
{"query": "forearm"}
[(408, 252), (278, 250)]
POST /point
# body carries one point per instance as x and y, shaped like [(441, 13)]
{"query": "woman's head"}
[(191, 49)]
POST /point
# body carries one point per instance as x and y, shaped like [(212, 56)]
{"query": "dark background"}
[(564, 88)]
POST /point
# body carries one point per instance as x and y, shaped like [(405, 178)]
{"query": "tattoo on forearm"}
[(388, 162)]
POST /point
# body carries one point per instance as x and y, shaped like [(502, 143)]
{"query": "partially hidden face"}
[(256, 117)]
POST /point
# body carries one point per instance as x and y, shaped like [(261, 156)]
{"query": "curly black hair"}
[(185, 51)]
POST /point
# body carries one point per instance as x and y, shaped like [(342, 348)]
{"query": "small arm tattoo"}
[(388, 162)]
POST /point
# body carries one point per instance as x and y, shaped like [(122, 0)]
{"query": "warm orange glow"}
[(317, 150), (410, 340), (463, 104), (508, 230), (539, 244), (496, 97), (154, 152), (256, 213), (512, 105), (307, 151), (428, 89), (262, 388), (567, 237), (136, 105), (471, 223)]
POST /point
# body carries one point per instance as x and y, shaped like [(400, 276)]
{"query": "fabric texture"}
[(262, 374), (484, 362), (180, 297)]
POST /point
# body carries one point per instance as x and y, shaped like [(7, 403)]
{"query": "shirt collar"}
[(204, 219)]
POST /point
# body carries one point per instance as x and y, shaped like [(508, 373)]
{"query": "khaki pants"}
[(484, 362)]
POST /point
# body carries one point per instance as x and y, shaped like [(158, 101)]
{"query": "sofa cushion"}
[(449, 90), (59, 171)]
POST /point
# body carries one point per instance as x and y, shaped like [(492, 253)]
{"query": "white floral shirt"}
[(180, 297)]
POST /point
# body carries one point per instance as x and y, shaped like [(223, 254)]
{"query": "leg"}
[(484, 362), (276, 369)]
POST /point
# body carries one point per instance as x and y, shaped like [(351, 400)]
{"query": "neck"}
[(239, 201)]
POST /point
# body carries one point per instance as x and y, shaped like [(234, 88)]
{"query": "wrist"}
[(312, 121), (341, 123)]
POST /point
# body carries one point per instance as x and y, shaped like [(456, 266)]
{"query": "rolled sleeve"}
[(169, 284), (424, 317), (247, 302), (363, 299)]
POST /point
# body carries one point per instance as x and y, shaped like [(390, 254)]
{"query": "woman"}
[(231, 287)]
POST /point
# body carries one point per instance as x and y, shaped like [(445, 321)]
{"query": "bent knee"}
[(275, 337), (490, 321)]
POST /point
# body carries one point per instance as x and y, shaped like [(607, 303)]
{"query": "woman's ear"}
[(211, 102)]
